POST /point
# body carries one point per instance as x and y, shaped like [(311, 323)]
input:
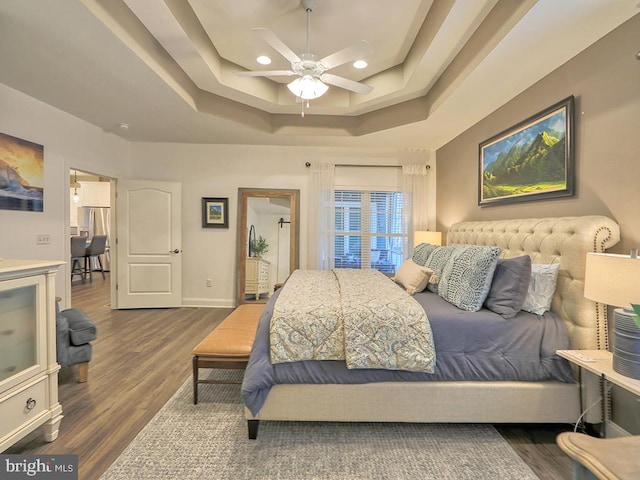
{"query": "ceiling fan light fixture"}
[(263, 60), (307, 87), (360, 64)]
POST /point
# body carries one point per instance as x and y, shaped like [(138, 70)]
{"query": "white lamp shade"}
[(612, 279), (423, 236), (307, 87)]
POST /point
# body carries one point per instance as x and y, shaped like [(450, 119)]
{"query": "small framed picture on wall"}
[(215, 212)]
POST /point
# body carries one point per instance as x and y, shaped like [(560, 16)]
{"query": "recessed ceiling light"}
[(123, 126), (263, 60), (360, 64)]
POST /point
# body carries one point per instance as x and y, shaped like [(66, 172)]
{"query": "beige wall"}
[(68, 143), (605, 80), (218, 171)]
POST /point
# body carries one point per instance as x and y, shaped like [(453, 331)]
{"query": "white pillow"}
[(412, 277), (542, 287)]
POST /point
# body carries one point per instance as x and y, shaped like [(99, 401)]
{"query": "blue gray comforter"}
[(471, 346)]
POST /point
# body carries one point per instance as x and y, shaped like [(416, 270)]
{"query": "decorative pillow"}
[(509, 286), (542, 286), (467, 276), (436, 262), (412, 277), (421, 253)]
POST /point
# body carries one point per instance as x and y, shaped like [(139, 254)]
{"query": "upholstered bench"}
[(602, 458), (228, 345)]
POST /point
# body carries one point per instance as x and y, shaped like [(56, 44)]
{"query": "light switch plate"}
[(43, 239)]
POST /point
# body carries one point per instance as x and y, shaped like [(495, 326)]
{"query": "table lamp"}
[(424, 236), (615, 280)]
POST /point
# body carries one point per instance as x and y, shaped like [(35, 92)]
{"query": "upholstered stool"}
[(602, 458), (228, 345), (74, 333)]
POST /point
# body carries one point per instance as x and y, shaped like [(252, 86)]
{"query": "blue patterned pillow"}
[(421, 253), (436, 262), (467, 276)]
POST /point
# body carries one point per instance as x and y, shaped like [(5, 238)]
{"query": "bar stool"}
[(96, 248), (78, 252)]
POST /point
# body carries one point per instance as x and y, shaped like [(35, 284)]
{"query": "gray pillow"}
[(467, 276), (509, 286), (421, 253)]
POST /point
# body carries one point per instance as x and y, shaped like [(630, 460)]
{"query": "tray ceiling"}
[(166, 68)]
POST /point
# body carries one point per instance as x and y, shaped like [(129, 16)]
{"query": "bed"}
[(555, 399)]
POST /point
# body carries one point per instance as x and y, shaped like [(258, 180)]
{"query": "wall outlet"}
[(209, 282), (43, 239)]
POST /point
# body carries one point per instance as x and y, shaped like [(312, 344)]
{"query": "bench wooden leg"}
[(83, 372), (195, 379), (252, 426)]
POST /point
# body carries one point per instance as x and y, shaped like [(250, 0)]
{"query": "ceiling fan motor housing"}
[(308, 65)]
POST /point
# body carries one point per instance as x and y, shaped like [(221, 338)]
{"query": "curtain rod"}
[(308, 164)]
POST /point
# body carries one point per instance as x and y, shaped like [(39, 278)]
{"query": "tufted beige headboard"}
[(564, 240)]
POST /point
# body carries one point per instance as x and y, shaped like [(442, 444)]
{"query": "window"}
[(369, 230)]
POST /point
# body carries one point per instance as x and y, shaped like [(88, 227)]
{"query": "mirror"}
[(268, 222)]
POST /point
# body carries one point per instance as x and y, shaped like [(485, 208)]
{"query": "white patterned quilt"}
[(359, 316)]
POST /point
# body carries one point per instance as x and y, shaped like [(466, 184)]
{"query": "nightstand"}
[(600, 363)]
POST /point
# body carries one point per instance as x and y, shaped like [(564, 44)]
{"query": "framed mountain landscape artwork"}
[(532, 160)]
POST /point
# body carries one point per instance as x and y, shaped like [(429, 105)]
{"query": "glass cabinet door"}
[(20, 330)]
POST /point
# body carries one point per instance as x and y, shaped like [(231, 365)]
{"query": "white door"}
[(149, 244)]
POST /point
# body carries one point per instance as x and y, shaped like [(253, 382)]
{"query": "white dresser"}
[(28, 367), (257, 276)]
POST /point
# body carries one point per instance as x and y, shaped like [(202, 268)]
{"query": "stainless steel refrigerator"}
[(96, 221)]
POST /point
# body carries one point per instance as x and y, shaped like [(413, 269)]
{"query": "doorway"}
[(90, 214)]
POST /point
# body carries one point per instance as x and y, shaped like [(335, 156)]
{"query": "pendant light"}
[(75, 185)]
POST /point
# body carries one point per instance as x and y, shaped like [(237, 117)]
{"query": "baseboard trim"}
[(208, 302)]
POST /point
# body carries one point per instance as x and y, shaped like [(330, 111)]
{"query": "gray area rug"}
[(209, 441)]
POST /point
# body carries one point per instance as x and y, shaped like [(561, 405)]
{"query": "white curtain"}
[(320, 243), (415, 211)]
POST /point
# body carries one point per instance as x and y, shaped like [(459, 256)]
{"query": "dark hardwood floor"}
[(140, 359)]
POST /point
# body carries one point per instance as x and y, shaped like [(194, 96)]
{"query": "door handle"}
[(175, 251)]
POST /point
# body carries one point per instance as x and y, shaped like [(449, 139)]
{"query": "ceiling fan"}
[(313, 78)]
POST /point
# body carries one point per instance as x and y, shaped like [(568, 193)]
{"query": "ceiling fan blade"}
[(354, 52), (266, 73), (270, 37), (345, 83)]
